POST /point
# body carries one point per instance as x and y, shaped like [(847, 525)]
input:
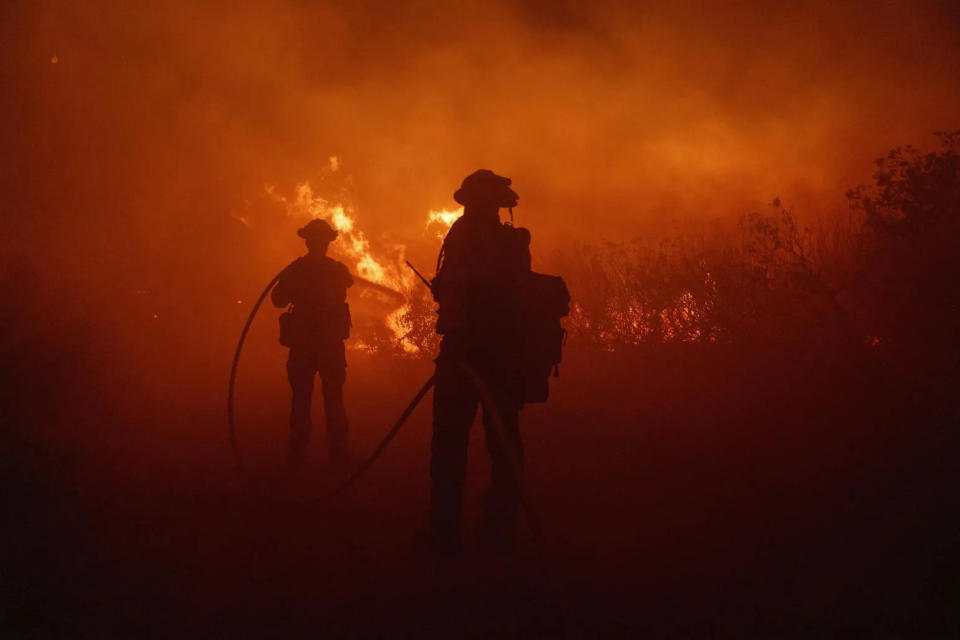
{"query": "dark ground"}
[(684, 493)]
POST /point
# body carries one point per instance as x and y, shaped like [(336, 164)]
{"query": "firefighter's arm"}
[(282, 294), (280, 297), (454, 274), (345, 276)]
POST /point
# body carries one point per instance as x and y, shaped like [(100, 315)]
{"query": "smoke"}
[(140, 137)]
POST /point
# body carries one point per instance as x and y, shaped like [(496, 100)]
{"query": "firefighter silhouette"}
[(485, 288), (314, 287)]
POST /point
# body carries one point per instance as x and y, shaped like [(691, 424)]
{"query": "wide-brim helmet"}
[(318, 229), (485, 188)]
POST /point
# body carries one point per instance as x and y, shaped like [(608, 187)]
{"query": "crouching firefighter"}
[(314, 287), (502, 337)]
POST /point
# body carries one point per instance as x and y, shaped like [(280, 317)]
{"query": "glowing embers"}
[(628, 314), (401, 326)]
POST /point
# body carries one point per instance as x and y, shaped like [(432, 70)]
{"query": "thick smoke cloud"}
[(138, 136)]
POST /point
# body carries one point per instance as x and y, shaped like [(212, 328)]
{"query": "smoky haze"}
[(140, 138), (732, 421), (156, 122)]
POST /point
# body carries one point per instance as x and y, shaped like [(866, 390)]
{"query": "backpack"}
[(545, 301)]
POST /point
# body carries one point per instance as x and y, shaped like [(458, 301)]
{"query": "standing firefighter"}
[(501, 331), (314, 328)]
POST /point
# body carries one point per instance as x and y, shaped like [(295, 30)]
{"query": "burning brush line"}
[(383, 272), (409, 325)]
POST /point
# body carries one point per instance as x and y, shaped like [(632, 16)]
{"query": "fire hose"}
[(486, 399)]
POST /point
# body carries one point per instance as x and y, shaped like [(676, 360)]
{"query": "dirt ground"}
[(679, 498)]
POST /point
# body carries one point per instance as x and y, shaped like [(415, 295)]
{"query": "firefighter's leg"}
[(301, 368), (502, 498), (333, 374), (454, 407)]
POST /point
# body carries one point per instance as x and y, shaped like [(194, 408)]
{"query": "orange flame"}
[(357, 251), (442, 219)]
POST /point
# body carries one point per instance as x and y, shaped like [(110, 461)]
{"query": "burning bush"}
[(881, 274)]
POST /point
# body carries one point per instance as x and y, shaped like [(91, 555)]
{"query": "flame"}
[(627, 319), (353, 241), (355, 249), (397, 322), (443, 219)]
